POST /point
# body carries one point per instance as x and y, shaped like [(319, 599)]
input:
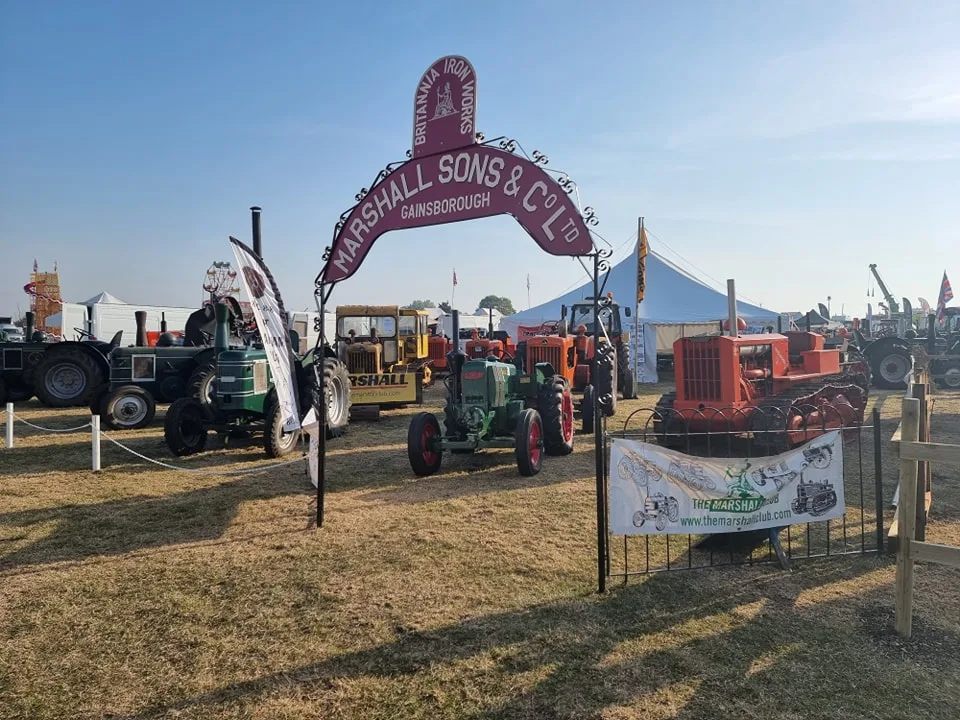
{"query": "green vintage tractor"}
[(243, 399), (142, 376), (491, 404)]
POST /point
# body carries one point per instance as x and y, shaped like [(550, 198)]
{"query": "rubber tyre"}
[(88, 371), (183, 429), (951, 378), (201, 386), (337, 391), (276, 442), (556, 412), (529, 438), (587, 409), (423, 427), (886, 359), (628, 388), (113, 408), (3, 393), (96, 400)]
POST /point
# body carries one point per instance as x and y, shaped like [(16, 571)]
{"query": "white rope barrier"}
[(53, 430), (96, 434), (206, 471)]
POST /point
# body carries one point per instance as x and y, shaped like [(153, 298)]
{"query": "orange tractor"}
[(495, 343), (782, 389)]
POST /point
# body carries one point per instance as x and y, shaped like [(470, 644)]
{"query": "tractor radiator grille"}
[(544, 354), (362, 362), (438, 350), (701, 371)]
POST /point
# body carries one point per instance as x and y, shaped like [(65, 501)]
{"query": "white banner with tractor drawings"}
[(656, 491)]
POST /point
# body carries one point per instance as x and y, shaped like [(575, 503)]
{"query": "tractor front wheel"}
[(183, 428), (529, 439), (424, 432), (127, 408), (556, 411), (628, 385), (276, 441)]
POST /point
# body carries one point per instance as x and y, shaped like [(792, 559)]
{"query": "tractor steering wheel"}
[(83, 333)]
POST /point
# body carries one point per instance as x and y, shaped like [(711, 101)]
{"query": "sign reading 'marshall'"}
[(478, 181)]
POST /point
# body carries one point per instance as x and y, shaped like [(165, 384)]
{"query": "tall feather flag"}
[(924, 306), (642, 249), (946, 295)]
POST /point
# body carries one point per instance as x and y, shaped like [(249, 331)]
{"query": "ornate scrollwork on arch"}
[(508, 145), (539, 158), (590, 217)]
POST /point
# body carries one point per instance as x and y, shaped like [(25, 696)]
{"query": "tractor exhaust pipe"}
[(163, 322), (490, 328), (221, 342), (255, 223), (141, 316), (28, 327), (455, 358), (732, 306)]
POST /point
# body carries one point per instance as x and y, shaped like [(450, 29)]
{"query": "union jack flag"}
[(946, 295), (454, 277)]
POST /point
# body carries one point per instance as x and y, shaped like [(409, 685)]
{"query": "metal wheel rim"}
[(63, 378), (129, 410), (288, 439), (335, 407), (900, 368), (951, 378)]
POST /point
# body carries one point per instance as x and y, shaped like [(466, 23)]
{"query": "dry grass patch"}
[(149, 593)]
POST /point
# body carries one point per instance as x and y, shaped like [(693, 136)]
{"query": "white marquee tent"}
[(675, 305)]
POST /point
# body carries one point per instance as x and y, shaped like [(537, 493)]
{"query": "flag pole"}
[(528, 291), (453, 292)]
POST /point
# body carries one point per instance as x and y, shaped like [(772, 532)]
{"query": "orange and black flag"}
[(642, 250)]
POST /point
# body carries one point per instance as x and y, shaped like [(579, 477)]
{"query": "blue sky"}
[(786, 145)]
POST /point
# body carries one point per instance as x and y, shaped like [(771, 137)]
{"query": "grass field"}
[(141, 592)]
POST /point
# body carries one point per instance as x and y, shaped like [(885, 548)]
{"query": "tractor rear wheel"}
[(890, 369), (556, 411), (127, 408), (202, 383), (529, 437), (67, 377), (587, 409), (276, 441), (183, 428), (424, 459)]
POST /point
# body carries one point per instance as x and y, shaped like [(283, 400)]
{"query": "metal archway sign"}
[(452, 175)]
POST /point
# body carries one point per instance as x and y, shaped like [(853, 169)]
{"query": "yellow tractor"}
[(386, 351)]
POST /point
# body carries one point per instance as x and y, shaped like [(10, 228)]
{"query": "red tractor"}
[(437, 348), (784, 389), (581, 327), (495, 343)]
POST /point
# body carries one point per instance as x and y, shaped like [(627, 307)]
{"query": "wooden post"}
[(906, 515)]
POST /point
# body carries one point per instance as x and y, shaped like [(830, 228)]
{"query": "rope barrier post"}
[(95, 433), (9, 425)]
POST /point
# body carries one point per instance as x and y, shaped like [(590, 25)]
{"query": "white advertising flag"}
[(272, 323), (656, 491)]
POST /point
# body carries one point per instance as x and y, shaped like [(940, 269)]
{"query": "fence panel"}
[(729, 433)]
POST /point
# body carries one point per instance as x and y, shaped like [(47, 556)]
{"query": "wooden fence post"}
[(906, 512)]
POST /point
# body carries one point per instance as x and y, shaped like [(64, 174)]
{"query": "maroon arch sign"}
[(450, 178)]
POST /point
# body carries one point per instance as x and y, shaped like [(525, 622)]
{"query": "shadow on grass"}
[(751, 645), (129, 524)]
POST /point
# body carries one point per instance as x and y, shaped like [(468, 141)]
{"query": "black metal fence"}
[(860, 531)]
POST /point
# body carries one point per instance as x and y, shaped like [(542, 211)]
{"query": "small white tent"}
[(675, 305)]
